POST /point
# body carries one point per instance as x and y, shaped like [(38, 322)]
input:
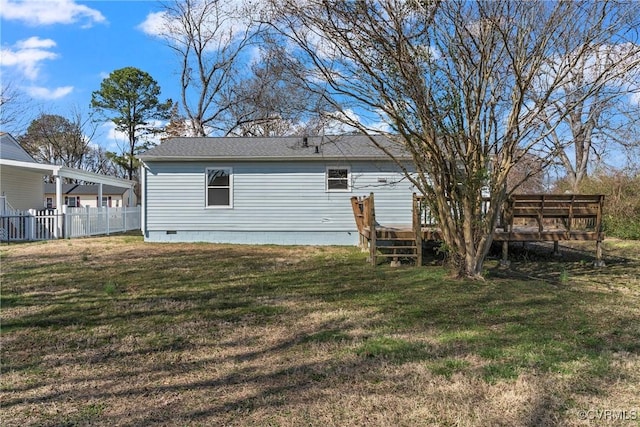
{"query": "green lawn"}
[(113, 331)]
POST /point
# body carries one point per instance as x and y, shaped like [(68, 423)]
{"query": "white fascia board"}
[(33, 167), (66, 172), (72, 173)]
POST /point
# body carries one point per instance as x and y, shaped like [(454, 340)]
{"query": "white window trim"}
[(206, 187), (326, 180)]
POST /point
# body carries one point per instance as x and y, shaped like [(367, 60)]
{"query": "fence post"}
[(87, 223), (30, 227), (106, 215), (63, 220)]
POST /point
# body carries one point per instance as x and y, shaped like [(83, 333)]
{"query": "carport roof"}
[(12, 155)]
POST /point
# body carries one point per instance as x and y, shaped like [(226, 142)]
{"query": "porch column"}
[(57, 232), (99, 195)]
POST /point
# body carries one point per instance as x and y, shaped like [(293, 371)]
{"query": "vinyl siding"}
[(23, 189), (270, 197)]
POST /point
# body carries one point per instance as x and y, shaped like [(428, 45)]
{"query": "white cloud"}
[(347, 121), (35, 43), (114, 140), (38, 92), (221, 25), (27, 55), (153, 24), (39, 12)]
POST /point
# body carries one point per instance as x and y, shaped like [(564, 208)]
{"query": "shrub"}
[(622, 202)]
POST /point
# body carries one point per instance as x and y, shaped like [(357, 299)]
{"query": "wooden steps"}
[(387, 242), (394, 245)]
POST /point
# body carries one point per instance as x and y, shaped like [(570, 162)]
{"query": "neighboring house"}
[(22, 178), (291, 190), (81, 195), (21, 185)]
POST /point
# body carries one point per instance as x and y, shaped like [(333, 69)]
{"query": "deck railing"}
[(558, 217), (569, 211)]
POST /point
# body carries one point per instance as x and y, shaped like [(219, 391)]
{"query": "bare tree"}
[(56, 140), (462, 84), (97, 161), (67, 141), (599, 106), (274, 99), (14, 106), (209, 38)]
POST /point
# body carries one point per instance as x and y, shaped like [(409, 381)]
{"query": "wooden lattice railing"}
[(571, 209)]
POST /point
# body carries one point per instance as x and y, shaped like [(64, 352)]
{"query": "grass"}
[(113, 331)]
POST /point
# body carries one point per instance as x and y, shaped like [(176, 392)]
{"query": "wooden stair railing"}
[(386, 243)]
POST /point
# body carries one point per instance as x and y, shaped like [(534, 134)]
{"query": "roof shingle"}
[(355, 147)]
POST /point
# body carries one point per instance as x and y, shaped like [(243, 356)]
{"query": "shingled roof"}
[(10, 149), (353, 147)]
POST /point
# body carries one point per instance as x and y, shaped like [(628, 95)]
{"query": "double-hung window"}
[(338, 179), (72, 202), (219, 188)]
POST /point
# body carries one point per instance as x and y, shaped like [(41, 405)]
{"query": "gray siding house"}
[(290, 190)]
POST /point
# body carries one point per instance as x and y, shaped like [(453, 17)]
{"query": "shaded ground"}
[(113, 331)]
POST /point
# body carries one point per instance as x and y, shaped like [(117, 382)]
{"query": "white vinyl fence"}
[(74, 222), (28, 225), (80, 222)]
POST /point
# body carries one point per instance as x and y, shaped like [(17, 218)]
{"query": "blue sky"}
[(58, 51)]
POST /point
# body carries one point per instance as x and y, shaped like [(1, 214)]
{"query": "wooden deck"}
[(518, 234), (525, 218)]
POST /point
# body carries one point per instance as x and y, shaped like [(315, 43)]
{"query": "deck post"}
[(599, 262), (556, 249), (417, 229), (372, 227), (505, 254)]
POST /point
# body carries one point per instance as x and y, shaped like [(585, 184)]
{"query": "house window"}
[(72, 202), (219, 188), (338, 179), (106, 202), (49, 202)]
